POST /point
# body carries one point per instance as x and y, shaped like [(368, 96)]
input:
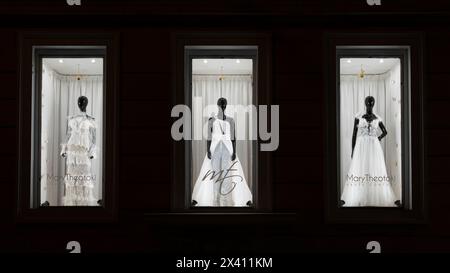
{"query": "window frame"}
[(32, 47), (219, 52), (229, 44), (39, 53), (409, 49)]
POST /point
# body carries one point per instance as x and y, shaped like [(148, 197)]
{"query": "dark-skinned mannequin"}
[(222, 105), (222, 140), (369, 116), (82, 104)]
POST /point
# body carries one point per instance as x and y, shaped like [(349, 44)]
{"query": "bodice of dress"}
[(221, 132), (366, 128), (81, 136)]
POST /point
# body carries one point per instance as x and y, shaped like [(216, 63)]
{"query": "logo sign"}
[(74, 246), (374, 2), (73, 2), (374, 247)]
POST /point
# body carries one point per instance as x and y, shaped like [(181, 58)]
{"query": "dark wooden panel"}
[(438, 199), (8, 113), (9, 89), (145, 50), (154, 115), (299, 170), (437, 46), (438, 87), (298, 196), (8, 51), (298, 52), (437, 142), (9, 138), (439, 202), (175, 10), (297, 115), (300, 143), (436, 115), (145, 87), (437, 169), (144, 196), (9, 166), (7, 202), (307, 87), (145, 142), (145, 170)]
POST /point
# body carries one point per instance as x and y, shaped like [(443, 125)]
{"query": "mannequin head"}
[(370, 102), (82, 103), (222, 104)]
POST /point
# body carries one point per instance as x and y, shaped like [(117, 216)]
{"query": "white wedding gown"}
[(80, 147), (221, 181), (367, 183)]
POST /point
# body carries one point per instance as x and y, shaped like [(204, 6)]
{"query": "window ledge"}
[(222, 218)]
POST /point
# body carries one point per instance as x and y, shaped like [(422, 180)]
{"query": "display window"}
[(370, 131), (375, 157), (222, 152), (222, 148), (67, 130), (69, 126)]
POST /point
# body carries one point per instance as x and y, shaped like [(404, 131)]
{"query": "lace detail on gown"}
[(367, 182), (79, 149)]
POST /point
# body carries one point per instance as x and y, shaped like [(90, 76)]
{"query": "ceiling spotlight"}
[(205, 61), (349, 61), (238, 61), (381, 61), (61, 61), (93, 61)]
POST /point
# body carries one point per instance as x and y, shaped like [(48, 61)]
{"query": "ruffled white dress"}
[(80, 147), (221, 181), (367, 183)]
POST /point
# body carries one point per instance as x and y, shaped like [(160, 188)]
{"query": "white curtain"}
[(385, 88), (206, 90), (59, 100)]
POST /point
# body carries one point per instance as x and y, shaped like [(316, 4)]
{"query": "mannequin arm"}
[(92, 149), (355, 132), (64, 147), (208, 141), (383, 131), (233, 139)]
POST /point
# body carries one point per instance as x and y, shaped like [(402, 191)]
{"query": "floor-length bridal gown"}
[(367, 183), (221, 181), (79, 151)]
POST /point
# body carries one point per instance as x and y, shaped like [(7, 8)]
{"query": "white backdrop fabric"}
[(206, 90), (59, 100), (385, 88)]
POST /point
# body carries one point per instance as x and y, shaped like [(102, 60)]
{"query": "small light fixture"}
[(61, 61), (238, 61), (205, 61), (93, 61), (362, 73), (381, 61), (79, 74), (349, 61)]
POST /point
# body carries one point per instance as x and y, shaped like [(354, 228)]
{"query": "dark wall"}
[(298, 165)]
